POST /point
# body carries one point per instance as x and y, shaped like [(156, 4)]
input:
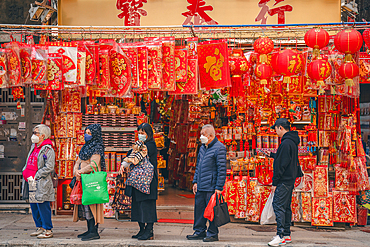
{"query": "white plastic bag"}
[(268, 216)]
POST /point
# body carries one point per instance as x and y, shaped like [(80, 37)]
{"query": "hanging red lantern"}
[(238, 67), (263, 46), (316, 38), (319, 70), (348, 41), (287, 63), (366, 37), (263, 72), (349, 70)]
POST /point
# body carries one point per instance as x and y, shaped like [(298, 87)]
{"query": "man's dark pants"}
[(281, 204), (201, 201)]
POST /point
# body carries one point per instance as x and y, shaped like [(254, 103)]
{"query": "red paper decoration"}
[(319, 70), (316, 38), (287, 63), (348, 41), (366, 37), (349, 70)]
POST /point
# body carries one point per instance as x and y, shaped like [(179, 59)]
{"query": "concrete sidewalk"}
[(15, 229)]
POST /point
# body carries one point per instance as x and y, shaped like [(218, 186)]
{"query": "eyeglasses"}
[(35, 132)]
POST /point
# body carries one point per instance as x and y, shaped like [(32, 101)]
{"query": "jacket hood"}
[(46, 142), (292, 135)]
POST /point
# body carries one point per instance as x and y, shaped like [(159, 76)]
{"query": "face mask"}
[(203, 139), (35, 139), (142, 137), (87, 137)]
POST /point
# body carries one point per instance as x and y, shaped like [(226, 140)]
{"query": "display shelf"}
[(301, 150), (114, 149), (300, 122), (116, 129)]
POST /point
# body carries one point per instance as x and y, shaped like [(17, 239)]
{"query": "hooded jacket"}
[(286, 164)]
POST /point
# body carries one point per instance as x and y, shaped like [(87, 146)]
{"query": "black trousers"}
[(281, 204), (201, 201)]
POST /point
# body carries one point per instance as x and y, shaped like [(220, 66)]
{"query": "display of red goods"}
[(120, 73), (287, 63), (263, 72), (349, 70), (316, 38), (348, 41)]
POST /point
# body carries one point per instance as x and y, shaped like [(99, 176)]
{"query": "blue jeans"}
[(281, 204), (41, 213), (201, 201)]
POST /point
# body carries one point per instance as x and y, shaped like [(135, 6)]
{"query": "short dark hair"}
[(148, 130), (286, 126)]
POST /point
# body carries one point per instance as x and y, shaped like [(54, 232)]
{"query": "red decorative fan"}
[(68, 64)]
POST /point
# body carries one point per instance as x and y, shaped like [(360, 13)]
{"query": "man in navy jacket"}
[(209, 177)]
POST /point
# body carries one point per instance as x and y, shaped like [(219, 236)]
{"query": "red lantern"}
[(263, 72), (349, 70), (238, 66), (263, 46), (319, 70), (316, 38), (288, 63), (348, 41)]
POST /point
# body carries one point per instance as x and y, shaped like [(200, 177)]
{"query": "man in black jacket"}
[(286, 170)]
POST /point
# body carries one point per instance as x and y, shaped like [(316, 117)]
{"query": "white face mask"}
[(203, 139), (35, 139), (142, 137)]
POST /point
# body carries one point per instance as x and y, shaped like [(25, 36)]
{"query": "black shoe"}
[(148, 235), (210, 239), (87, 232), (93, 233), (196, 236), (140, 233)]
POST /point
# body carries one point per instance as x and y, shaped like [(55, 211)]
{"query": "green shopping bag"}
[(94, 187)]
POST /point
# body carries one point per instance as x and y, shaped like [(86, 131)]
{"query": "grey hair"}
[(211, 128), (44, 130)]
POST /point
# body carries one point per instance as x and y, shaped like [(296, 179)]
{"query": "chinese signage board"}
[(197, 12)]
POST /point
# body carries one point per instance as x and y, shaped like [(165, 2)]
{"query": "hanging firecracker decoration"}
[(349, 70), (348, 41), (316, 38), (319, 70), (366, 37), (238, 67), (263, 46), (287, 63)]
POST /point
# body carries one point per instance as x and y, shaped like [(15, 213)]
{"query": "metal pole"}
[(28, 117)]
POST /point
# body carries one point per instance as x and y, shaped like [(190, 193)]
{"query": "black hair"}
[(148, 130), (286, 126)]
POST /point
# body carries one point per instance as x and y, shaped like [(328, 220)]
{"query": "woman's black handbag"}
[(72, 183), (221, 212)]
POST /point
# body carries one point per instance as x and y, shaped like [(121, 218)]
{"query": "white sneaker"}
[(37, 232), (277, 241), (46, 234)]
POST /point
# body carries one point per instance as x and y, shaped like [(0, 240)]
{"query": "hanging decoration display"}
[(316, 38), (319, 70)]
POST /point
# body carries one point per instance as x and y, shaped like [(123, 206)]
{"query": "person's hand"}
[(78, 175), (273, 188), (218, 192), (121, 170), (195, 188)]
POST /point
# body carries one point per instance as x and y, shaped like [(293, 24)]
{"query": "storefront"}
[(182, 78)]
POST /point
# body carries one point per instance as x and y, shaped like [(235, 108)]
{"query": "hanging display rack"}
[(236, 32)]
